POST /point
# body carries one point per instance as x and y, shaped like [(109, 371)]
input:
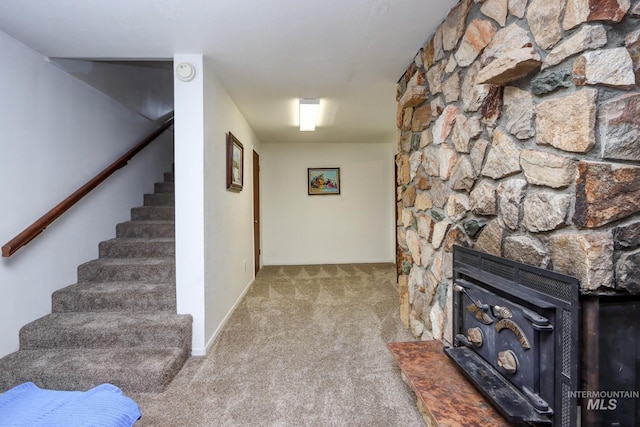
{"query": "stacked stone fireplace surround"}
[(519, 136)]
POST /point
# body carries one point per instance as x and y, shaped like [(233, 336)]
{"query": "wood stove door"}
[(517, 340)]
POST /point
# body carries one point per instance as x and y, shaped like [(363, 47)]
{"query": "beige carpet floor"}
[(305, 347)]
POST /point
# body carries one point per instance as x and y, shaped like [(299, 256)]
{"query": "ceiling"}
[(267, 54)]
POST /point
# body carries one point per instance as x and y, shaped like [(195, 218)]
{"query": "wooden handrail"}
[(29, 233)]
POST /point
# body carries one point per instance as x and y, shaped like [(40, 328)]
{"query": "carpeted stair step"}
[(115, 296), (106, 330), (153, 270), (146, 229), (159, 199), (137, 247), (118, 324), (142, 370), (164, 187), (166, 213)]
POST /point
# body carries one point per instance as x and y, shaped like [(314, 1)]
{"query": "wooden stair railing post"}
[(29, 233)]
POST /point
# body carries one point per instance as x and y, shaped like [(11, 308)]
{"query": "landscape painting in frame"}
[(235, 159), (323, 181)]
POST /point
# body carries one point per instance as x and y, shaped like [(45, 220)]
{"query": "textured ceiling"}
[(267, 53)]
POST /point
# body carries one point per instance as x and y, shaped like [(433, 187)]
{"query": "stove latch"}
[(477, 307), (538, 322)]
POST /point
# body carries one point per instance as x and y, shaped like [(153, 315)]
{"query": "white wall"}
[(189, 182), (355, 226), (57, 133), (214, 227), (143, 86), (228, 215)]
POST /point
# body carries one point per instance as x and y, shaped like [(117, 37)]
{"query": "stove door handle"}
[(459, 286), (463, 340), (534, 317)]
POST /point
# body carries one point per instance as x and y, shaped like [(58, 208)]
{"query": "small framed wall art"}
[(235, 163), (323, 181)]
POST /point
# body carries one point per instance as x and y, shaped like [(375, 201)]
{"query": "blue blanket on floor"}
[(104, 406)]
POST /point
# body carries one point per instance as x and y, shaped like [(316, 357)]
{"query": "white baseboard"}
[(203, 352)]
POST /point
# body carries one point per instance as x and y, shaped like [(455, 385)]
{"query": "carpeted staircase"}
[(118, 324)]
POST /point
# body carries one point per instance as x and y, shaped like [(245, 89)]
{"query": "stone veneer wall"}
[(519, 135)]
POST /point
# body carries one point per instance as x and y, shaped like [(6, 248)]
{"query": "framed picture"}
[(322, 181), (235, 163)]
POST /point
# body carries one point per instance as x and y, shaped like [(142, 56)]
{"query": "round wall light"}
[(185, 71)]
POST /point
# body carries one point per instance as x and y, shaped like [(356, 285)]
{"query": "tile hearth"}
[(444, 397)]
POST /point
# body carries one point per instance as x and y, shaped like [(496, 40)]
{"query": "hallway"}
[(305, 347)]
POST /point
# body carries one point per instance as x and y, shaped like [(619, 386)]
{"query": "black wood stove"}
[(516, 337)]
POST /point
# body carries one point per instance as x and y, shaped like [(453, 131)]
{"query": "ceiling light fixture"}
[(309, 109)]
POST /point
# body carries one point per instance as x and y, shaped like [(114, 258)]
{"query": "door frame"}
[(256, 212)]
